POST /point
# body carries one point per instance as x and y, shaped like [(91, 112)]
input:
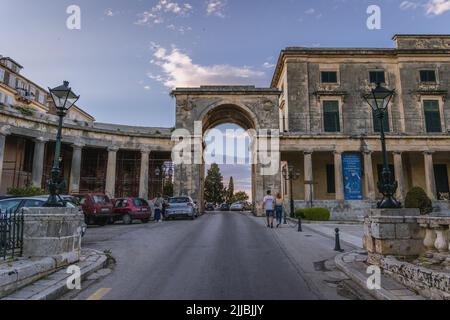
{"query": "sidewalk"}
[(54, 285), (351, 234)]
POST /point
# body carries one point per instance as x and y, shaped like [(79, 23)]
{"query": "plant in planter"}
[(417, 198)]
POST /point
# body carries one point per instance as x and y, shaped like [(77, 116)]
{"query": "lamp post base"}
[(389, 203)]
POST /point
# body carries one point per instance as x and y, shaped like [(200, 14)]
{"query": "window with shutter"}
[(441, 175), (432, 116), (427, 76), (376, 77), (329, 76), (331, 116), (376, 122), (2, 75), (331, 184)]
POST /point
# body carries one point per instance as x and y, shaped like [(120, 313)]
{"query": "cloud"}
[(178, 70), (310, 11), (161, 10), (268, 65), (216, 7), (437, 7)]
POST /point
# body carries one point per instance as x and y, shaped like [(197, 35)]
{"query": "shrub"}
[(417, 198), (25, 111), (313, 214), (26, 191)]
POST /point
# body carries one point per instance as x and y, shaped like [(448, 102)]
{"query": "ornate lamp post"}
[(64, 98), (290, 174), (379, 100)]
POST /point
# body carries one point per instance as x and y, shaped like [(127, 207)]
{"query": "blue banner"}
[(352, 172)]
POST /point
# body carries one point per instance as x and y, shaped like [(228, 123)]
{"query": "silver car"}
[(181, 207)]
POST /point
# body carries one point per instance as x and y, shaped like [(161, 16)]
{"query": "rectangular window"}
[(427, 76), (2, 75), (432, 115), (376, 77), (376, 122), (331, 116), (1, 98), (329, 76), (41, 98), (9, 100), (12, 81), (331, 183)]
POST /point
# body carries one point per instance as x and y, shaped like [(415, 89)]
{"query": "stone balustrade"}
[(437, 233)]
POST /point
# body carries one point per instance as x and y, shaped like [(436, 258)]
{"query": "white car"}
[(237, 206), (181, 207)]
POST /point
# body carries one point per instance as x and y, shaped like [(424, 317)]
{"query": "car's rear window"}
[(100, 199), (9, 205), (81, 199), (179, 200)]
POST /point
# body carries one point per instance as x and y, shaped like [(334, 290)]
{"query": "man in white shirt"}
[(268, 206)]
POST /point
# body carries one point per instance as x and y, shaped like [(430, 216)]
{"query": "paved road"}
[(227, 256)]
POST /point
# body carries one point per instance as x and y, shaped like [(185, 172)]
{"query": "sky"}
[(129, 55), (124, 57)]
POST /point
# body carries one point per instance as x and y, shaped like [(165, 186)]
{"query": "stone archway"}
[(206, 107)]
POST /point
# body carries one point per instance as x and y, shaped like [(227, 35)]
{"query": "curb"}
[(361, 279), (60, 287)]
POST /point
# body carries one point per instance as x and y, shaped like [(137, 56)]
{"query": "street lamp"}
[(64, 98), (290, 174), (379, 100)]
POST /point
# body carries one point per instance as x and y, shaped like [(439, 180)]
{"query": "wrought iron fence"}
[(11, 233)]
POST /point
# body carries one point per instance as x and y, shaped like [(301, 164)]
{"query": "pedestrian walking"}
[(158, 205), (268, 206), (279, 209)]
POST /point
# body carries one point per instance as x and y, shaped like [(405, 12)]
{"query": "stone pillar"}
[(4, 131), (338, 175), (143, 180), (75, 170), (399, 176), (308, 167), (369, 181), (110, 187), (38, 162), (429, 175)]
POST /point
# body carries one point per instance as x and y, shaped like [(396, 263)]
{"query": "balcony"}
[(24, 96)]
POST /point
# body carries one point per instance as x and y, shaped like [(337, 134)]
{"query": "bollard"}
[(300, 225), (337, 245)]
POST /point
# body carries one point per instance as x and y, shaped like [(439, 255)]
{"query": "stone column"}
[(4, 131), (143, 179), (38, 162), (429, 175), (110, 187), (338, 175), (308, 167), (399, 176), (75, 171), (369, 181)]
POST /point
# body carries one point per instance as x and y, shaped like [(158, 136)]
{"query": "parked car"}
[(129, 209), (17, 203), (97, 208), (237, 206), (210, 207), (181, 207), (225, 207)]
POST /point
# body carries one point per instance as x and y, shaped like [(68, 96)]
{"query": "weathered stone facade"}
[(418, 67)]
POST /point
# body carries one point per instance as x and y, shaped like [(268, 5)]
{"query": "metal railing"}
[(11, 234)]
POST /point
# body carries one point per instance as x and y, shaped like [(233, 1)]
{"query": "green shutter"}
[(331, 183), (331, 116), (432, 116)]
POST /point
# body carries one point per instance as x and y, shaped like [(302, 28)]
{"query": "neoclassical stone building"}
[(328, 132)]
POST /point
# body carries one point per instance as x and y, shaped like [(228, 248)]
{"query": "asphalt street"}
[(219, 256)]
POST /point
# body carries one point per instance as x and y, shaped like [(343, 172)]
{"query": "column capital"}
[(397, 152), (429, 152), (339, 152), (307, 152), (78, 145), (5, 130), (113, 149), (41, 140), (145, 150)]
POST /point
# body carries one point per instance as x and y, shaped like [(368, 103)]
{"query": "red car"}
[(97, 208), (129, 209)]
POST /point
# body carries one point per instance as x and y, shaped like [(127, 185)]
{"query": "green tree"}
[(168, 189), (214, 190), (229, 193), (240, 196)]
